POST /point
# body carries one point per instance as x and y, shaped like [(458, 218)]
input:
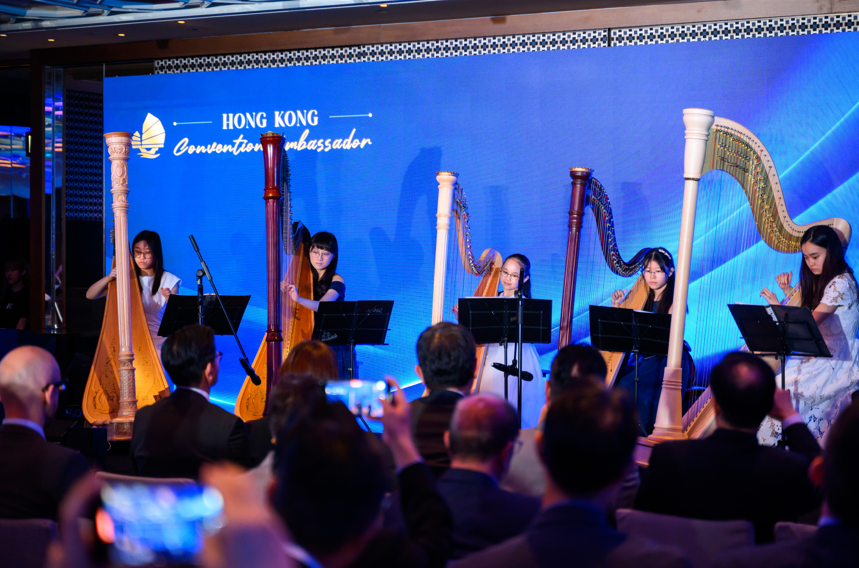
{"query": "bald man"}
[(483, 435), (34, 474)]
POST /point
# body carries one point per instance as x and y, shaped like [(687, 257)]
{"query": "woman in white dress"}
[(821, 387), (516, 266), (156, 284)]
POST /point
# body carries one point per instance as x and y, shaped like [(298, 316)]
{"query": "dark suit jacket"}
[(430, 419), (729, 476), (483, 514), (833, 546), (34, 474), (573, 534), (177, 434)]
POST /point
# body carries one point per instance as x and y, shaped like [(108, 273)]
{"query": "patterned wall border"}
[(681, 33)]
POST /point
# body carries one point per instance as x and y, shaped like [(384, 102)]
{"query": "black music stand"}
[(184, 310), (364, 322), (621, 330), (494, 320), (779, 331)]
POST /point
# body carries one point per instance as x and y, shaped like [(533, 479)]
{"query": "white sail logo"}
[(152, 138)]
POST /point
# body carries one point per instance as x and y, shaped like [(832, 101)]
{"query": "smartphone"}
[(157, 523), (361, 397)]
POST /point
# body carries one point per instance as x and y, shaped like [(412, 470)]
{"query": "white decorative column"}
[(669, 413), (118, 147), (446, 181)]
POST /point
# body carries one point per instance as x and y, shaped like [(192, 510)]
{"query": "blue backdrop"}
[(511, 125)]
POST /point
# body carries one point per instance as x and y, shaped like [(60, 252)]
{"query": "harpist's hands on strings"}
[(783, 280), (617, 298), (770, 297), (293, 292), (112, 275), (166, 293)]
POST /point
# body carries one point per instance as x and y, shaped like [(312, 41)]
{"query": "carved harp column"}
[(446, 180), (118, 147), (272, 149), (668, 425), (581, 177)]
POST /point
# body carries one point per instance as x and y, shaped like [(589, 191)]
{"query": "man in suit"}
[(482, 438), (728, 475), (835, 543), (586, 447), (447, 360), (174, 436), (34, 474)]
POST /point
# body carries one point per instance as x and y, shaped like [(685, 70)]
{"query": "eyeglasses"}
[(321, 254), (142, 254), (518, 446), (509, 275), (656, 273), (61, 386)]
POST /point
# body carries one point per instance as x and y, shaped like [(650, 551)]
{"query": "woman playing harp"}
[(821, 387)]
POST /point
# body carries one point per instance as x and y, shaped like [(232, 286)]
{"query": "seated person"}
[(729, 474), (482, 438), (177, 434), (34, 474), (586, 448), (447, 358), (834, 544)]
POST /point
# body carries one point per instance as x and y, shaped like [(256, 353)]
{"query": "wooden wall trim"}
[(635, 16)]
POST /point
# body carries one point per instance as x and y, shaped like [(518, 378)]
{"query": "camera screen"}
[(362, 397), (157, 523)]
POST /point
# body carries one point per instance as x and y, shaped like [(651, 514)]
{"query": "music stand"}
[(184, 310), (780, 331), (494, 320), (621, 330), (363, 322)]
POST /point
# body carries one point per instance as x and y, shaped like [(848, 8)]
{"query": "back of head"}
[(186, 353), (330, 478), (481, 427), (292, 393), (743, 386), (447, 355), (575, 365), (312, 358), (841, 467), (24, 373), (588, 439)]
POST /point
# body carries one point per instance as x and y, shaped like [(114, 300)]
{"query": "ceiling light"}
[(50, 40), (2, 35), (383, 5), (121, 35), (181, 22)]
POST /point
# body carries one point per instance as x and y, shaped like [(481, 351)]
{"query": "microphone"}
[(202, 262), (513, 371)]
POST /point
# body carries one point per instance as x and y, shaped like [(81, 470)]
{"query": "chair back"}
[(702, 541), (785, 531), (24, 542)]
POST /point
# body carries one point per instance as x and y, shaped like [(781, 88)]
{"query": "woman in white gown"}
[(516, 266), (821, 387)]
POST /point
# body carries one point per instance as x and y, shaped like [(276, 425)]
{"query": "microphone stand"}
[(200, 295), (520, 309), (244, 358)]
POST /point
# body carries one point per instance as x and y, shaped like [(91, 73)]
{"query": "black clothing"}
[(13, 307), (177, 434), (833, 546), (341, 352), (430, 420)]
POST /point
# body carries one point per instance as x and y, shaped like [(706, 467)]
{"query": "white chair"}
[(785, 531)]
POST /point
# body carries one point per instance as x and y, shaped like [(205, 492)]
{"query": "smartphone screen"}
[(361, 397), (158, 523)]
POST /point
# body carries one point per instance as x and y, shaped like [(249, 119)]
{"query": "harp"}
[(587, 191), (126, 373), (452, 201), (714, 143), (283, 237)]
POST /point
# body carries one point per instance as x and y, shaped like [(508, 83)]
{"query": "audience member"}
[(728, 475), (177, 434), (482, 438), (331, 484), (586, 447), (446, 363), (15, 294), (573, 367), (835, 543), (34, 474)]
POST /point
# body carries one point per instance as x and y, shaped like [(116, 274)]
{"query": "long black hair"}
[(327, 242), (154, 241), (811, 286), (524, 272), (666, 262)]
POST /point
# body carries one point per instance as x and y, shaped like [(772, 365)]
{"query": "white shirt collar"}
[(201, 391), (26, 423)]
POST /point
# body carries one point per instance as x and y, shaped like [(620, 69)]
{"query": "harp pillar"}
[(581, 177), (669, 413), (272, 151), (118, 147), (446, 181)]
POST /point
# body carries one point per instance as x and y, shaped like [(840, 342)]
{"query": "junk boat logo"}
[(152, 138)]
